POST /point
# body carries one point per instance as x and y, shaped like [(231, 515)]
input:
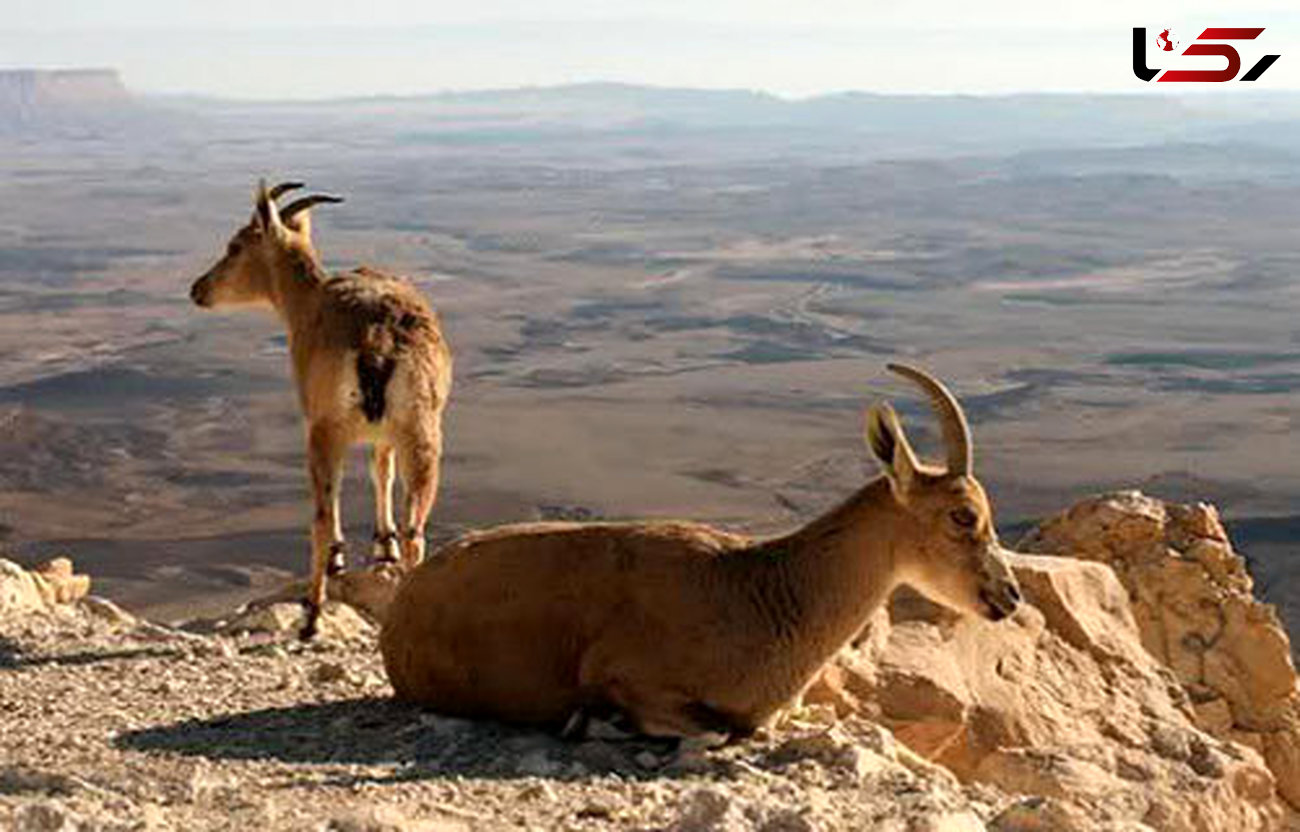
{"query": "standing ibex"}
[(679, 627), (370, 364)]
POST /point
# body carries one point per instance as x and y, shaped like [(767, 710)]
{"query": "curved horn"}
[(283, 188), (956, 430), (303, 203)]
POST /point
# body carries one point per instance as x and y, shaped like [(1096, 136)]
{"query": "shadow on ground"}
[(383, 732), (14, 657)]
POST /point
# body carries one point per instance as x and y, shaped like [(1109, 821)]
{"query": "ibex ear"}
[(889, 446), (265, 214), (301, 225)]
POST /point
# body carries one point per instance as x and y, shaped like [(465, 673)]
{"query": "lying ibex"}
[(682, 629), (370, 364)]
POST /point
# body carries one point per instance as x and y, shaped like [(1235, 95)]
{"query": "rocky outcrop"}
[(1061, 703), (51, 583), (1192, 599), (33, 95), (1139, 687)]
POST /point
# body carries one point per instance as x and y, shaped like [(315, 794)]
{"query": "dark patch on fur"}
[(383, 318), (338, 560), (373, 373)]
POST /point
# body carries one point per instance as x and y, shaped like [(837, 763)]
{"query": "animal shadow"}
[(382, 732)]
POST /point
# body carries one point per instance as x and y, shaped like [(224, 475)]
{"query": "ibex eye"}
[(964, 517)]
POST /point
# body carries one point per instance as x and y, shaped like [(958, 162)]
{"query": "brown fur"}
[(369, 363), (681, 627)]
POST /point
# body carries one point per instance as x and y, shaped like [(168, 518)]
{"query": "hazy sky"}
[(316, 48)]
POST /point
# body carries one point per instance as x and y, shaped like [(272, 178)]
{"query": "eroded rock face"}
[(1192, 600), (41, 588), (1061, 702)]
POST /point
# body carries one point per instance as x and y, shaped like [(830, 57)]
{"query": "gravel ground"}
[(109, 722)]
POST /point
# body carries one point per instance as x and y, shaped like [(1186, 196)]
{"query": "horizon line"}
[(757, 92)]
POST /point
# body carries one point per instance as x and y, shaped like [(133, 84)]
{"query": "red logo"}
[(1165, 42)]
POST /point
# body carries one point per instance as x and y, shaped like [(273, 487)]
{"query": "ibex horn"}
[(303, 203), (956, 430)]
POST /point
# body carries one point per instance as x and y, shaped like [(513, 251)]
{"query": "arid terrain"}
[(1140, 686), (663, 303)]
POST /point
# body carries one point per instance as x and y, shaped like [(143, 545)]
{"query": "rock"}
[(37, 590), (17, 780), (108, 612), (1192, 601), (368, 591), (18, 590), (540, 790), (338, 622), (708, 810), (537, 763), (44, 817), (788, 820), (326, 673), (389, 819), (1062, 700), (950, 822), (1041, 814), (57, 583), (647, 760), (835, 750)]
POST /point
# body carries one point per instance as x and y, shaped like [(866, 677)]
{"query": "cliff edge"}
[(1140, 687), (34, 96)]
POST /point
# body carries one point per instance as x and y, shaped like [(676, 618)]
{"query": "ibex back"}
[(679, 627), (369, 362)]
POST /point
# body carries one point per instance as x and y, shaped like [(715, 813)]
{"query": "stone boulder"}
[(41, 588), (357, 602), (369, 591), (1191, 596), (339, 623), (1059, 703)]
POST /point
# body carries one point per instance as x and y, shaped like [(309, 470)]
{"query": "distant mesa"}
[(36, 95)]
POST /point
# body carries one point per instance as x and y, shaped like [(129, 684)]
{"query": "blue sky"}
[(325, 48)]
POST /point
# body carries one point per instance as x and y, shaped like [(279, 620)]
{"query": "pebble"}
[(647, 760), (327, 673), (540, 790)]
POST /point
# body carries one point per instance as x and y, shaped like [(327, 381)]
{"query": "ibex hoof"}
[(385, 548), (309, 628), (338, 559)]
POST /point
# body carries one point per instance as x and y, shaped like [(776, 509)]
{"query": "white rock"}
[(18, 590)]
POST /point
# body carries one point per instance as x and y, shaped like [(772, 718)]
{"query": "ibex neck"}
[(835, 572), (296, 278)]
